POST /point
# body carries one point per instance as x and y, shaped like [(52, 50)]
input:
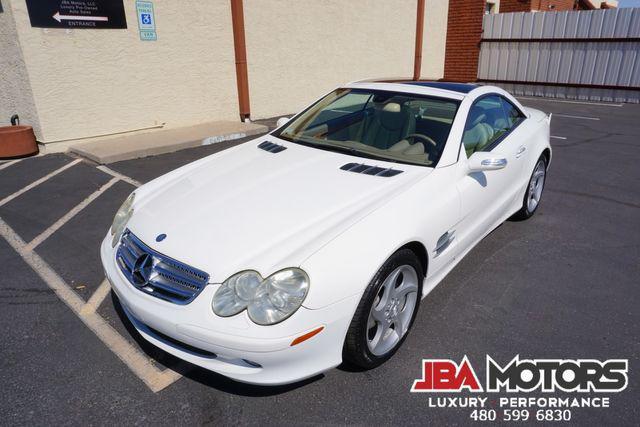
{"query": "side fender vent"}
[(271, 147), (370, 170)]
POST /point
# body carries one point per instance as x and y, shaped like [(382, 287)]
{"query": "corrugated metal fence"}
[(589, 55)]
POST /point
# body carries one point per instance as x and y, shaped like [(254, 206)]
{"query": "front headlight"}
[(120, 220), (267, 301)]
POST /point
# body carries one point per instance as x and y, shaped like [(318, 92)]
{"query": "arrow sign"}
[(61, 18), (78, 14)]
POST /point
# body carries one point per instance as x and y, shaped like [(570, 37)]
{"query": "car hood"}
[(247, 208)]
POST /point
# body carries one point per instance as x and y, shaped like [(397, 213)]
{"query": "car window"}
[(487, 121), (385, 125), (514, 116), (344, 105), (350, 103)]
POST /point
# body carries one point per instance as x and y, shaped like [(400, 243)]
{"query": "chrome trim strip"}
[(494, 162), (444, 241)]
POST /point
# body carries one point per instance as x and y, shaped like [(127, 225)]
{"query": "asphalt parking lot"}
[(561, 285)]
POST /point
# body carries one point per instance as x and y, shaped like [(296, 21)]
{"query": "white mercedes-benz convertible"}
[(284, 256)]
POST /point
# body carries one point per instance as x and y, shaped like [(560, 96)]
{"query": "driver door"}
[(487, 195)]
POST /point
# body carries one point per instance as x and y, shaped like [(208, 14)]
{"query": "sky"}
[(628, 3)]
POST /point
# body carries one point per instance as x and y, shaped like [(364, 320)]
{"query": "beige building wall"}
[(93, 82), (15, 90), (435, 38), (81, 83), (298, 50)]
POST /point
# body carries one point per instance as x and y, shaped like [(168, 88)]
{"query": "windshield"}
[(390, 126)]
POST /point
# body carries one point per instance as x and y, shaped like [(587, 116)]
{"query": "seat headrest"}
[(391, 107), (392, 116)]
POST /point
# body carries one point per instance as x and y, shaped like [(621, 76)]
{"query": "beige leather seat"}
[(478, 136), (388, 124), (415, 150)]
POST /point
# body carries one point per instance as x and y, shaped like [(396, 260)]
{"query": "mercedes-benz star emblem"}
[(142, 269)]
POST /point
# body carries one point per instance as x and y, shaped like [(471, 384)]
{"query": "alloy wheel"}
[(392, 310), (535, 186)]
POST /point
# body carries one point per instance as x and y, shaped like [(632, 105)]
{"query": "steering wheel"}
[(424, 138)]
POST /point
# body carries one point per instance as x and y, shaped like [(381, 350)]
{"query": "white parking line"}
[(562, 101), (120, 176), (576, 117), (96, 299), (135, 360), (38, 182), (558, 137), (66, 217), (9, 163)]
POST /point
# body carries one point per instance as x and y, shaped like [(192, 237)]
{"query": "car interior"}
[(397, 126), (402, 127), (489, 118)]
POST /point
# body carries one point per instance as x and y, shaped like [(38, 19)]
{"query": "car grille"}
[(157, 274)]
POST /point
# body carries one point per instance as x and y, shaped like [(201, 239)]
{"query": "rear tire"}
[(386, 311), (533, 195)]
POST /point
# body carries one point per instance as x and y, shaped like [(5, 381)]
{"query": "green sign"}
[(146, 20)]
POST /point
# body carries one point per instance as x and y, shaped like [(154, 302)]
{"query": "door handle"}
[(521, 151)]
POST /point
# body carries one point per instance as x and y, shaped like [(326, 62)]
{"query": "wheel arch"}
[(547, 155), (421, 252)]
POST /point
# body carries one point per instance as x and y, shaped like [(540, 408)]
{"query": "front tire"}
[(386, 311), (533, 195)]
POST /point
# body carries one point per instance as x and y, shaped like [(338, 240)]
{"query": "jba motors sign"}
[(524, 375)]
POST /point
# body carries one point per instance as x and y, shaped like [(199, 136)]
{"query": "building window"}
[(490, 7)]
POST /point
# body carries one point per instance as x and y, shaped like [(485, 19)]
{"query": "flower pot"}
[(17, 141)]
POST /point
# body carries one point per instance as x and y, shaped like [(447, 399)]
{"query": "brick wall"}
[(558, 5), (507, 6), (464, 30), (553, 5)]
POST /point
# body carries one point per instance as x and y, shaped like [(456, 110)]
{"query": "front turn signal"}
[(303, 338)]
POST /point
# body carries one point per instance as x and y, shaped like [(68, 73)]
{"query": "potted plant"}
[(17, 140)]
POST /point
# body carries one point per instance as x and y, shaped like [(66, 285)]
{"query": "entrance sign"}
[(91, 14)]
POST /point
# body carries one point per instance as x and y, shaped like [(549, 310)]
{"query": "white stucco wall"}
[(15, 90), (300, 49), (435, 38), (80, 83), (92, 82)]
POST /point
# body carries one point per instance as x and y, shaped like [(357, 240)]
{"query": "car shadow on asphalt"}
[(198, 374)]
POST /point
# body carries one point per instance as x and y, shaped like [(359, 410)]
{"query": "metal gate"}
[(588, 55)]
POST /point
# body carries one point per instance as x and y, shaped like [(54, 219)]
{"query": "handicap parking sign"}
[(146, 20)]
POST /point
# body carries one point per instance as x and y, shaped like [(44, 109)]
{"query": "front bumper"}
[(234, 346)]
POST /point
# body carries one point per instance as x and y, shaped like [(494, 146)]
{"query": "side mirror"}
[(485, 161), (282, 121)]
